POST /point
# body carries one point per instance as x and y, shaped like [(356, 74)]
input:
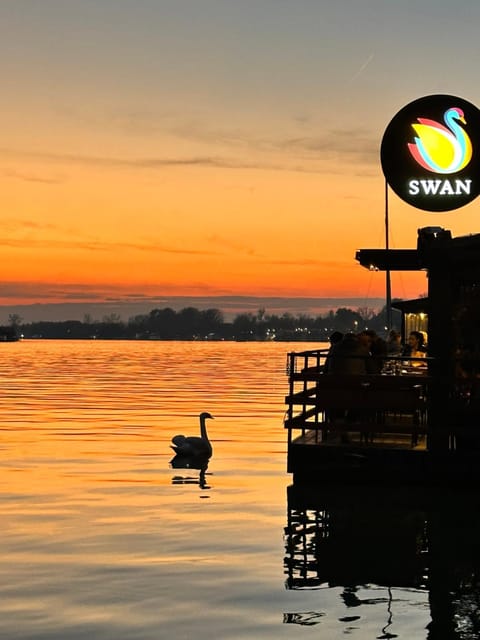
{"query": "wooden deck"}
[(351, 438), (338, 459)]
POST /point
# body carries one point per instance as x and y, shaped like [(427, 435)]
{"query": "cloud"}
[(32, 177), (34, 291), (229, 244), (15, 224), (30, 244), (239, 150), (310, 262), (351, 143), (142, 163), (315, 153)]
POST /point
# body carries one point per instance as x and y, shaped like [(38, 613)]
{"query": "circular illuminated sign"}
[(430, 153)]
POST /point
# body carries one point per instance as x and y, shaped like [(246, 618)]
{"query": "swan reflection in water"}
[(191, 462)]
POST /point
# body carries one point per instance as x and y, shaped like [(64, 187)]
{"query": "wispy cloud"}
[(32, 177), (236, 150), (310, 262), (227, 243), (16, 224), (352, 144), (136, 162), (98, 245), (46, 292)]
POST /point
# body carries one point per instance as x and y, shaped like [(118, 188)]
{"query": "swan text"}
[(439, 187)]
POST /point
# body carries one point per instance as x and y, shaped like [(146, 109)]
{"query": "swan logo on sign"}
[(429, 153), (442, 149)]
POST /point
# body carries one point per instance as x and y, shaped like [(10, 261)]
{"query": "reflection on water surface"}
[(103, 537), (391, 546)]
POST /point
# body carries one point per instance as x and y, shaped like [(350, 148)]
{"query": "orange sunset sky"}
[(206, 148)]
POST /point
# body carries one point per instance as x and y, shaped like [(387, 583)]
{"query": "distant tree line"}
[(191, 323)]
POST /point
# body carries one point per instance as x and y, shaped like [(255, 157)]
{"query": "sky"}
[(157, 149)]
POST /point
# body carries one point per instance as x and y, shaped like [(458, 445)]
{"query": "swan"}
[(194, 445), (441, 149)]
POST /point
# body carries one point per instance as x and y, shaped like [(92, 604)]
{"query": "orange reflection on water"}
[(100, 535), (83, 413)]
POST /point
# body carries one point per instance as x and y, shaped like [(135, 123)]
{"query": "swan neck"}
[(203, 428), (452, 123)]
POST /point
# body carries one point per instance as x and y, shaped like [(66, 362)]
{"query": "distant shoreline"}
[(229, 305), (191, 323), (127, 339)]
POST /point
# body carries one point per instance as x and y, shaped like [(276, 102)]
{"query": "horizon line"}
[(229, 305)]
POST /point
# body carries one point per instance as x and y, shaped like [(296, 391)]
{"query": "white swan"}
[(194, 445)]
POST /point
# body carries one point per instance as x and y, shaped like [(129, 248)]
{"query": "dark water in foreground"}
[(103, 539)]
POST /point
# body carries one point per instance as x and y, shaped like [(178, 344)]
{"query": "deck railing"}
[(364, 407), (375, 407)]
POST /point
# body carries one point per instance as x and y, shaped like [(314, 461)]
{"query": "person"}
[(415, 347), (334, 339), (394, 343), (349, 356), (377, 347)]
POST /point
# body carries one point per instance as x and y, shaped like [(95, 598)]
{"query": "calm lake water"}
[(103, 539)]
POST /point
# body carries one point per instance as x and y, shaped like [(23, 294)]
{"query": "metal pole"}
[(388, 287)]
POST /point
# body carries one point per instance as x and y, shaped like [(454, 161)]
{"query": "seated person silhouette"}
[(415, 348), (349, 356)]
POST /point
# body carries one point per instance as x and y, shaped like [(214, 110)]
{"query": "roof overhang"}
[(418, 305), (390, 259)]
